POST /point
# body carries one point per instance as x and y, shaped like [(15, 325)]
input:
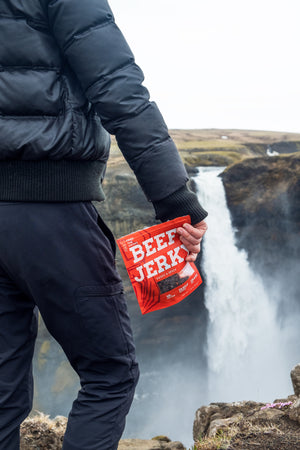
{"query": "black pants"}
[(59, 257)]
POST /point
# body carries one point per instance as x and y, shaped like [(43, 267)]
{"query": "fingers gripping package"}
[(155, 261)]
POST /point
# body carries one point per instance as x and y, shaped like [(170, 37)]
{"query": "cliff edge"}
[(251, 425)]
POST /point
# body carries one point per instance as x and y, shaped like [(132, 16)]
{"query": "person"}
[(68, 79)]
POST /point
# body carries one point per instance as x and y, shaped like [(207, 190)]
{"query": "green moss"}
[(256, 149), (161, 438), (212, 144), (219, 442), (214, 158), (64, 378), (42, 355)]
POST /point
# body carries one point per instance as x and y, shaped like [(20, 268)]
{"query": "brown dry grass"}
[(224, 438)]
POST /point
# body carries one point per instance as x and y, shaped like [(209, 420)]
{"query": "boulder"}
[(175, 445), (294, 411), (210, 420), (202, 420), (246, 425), (221, 424), (295, 376), (216, 416), (41, 433), (268, 415)]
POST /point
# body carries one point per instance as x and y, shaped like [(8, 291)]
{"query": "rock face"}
[(294, 412), (263, 195), (210, 419), (42, 433), (264, 187), (295, 376), (248, 425)]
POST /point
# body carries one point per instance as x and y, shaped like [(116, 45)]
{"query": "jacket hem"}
[(51, 180)]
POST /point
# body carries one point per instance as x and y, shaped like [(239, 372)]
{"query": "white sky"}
[(218, 63)]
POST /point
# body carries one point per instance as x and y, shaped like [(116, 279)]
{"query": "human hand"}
[(191, 237)]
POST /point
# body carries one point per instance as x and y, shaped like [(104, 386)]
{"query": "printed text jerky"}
[(155, 261)]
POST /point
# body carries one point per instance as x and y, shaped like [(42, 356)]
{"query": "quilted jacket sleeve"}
[(105, 66)]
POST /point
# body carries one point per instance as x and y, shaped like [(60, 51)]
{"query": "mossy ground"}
[(247, 435), (213, 158)]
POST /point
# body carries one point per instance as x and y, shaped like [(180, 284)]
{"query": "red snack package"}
[(155, 261)]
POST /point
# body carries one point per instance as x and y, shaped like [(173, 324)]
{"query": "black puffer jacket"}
[(66, 72)]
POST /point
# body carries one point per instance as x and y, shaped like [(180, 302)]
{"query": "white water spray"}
[(245, 346)]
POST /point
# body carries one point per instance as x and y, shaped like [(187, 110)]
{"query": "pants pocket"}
[(104, 228), (107, 233), (104, 317)]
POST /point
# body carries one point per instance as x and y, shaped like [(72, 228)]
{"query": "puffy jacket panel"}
[(39, 92), (23, 45), (44, 113), (30, 10)]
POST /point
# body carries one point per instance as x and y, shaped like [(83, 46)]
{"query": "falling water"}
[(245, 346)]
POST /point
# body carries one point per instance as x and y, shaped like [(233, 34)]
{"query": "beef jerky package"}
[(155, 261)]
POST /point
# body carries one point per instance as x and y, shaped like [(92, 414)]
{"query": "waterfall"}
[(245, 347)]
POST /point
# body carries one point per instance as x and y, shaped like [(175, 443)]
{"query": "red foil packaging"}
[(155, 261)]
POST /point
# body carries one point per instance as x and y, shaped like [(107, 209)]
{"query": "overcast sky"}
[(218, 63)]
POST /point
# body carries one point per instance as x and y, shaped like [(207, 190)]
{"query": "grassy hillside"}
[(216, 147), (224, 147)]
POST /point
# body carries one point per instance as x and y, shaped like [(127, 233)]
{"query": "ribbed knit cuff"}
[(180, 203), (51, 180)]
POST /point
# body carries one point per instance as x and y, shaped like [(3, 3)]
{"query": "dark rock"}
[(202, 420), (263, 196), (294, 412), (266, 188), (208, 417), (295, 376), (191, 170), (245, 425), (285, 147)]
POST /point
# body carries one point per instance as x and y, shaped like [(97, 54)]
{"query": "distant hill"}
[(217, 147)]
